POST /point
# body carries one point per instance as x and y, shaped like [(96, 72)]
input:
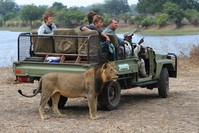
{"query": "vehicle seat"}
[(92, 39), (43, 44), (120, 51), (67, 45)]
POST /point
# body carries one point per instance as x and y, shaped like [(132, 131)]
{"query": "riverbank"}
[(171, 30), (153, 30)]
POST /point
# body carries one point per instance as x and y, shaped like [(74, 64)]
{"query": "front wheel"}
[(163, 88), (110, 97)]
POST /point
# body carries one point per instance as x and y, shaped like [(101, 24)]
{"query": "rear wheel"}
[(110, 97), (61, 104), (163, 88)]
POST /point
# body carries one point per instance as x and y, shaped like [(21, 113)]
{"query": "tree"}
[(175, 13), (156, 6), (192, 15), (150, 6), (30, 13), (74, 17), (7, 6), (161, 19), (60, 14), (115, 7), (8, 10)]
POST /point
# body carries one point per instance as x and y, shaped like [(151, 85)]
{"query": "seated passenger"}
[(112, 26), (96, 25), (90, 17), (128, 47), (48, 27)]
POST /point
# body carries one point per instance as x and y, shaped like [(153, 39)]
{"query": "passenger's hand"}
[(141, 41), (107, 38), (108, 42)]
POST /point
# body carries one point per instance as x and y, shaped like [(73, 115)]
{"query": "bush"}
[(137, 20), (36, 24), (194, 54), (147, 22), (131, 20), (161, 19), (192, 15)]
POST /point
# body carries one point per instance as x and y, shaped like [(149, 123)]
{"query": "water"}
[(179, 45), (8, 47)]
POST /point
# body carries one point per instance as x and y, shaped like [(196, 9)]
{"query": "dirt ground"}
[(140, 110)]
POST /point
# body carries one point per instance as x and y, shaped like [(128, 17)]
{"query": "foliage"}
[(60, 14), (7, 6), (131, 20), (74, 17), (1, 21), (150, 6), (156, 6), (125, 17), (97, 8), (106, 18), (147, 22), (175, 13), (8, 9), (116, 7), (192, 15), (138, 19), (161, 19), (31, 13)]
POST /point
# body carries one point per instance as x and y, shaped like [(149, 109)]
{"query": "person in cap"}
[(128, 49)]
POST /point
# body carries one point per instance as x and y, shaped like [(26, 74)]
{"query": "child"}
[(96, 25), (48, 27)]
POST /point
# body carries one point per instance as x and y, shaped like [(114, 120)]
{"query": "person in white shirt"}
[(128, 49), (48, 27)]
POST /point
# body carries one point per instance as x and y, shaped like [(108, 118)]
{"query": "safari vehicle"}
[(75, 52)]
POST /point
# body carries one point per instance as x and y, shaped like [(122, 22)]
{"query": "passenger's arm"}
[(104, 35), (137, 50), (83, 28)]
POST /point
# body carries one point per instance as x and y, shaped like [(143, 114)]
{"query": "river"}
[(180, 45)]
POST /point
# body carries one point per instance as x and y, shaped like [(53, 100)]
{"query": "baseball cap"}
[(128, 34)]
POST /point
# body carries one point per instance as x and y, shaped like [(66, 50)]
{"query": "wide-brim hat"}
[(128, 34)]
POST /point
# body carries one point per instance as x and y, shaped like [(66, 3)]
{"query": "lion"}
[(73, 85)]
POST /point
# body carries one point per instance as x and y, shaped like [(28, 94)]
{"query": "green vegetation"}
[(12, 15), (146, 14)]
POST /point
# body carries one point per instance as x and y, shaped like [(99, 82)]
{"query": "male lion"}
[(72, 85)]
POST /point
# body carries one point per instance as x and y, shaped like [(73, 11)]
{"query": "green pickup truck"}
[(75, 52)]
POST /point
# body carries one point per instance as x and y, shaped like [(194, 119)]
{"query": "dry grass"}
[(194, 54), (6, 75)]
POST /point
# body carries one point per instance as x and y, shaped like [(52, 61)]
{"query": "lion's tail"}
[(35, 92)]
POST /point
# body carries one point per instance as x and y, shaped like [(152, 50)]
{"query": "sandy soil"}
[(140, 110)]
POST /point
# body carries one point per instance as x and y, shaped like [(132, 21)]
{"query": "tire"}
[(61, 104), (163, 88), (110, 97)]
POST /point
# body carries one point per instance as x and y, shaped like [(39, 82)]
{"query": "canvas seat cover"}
[(83, 43), (43, 44), (65, 45)]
